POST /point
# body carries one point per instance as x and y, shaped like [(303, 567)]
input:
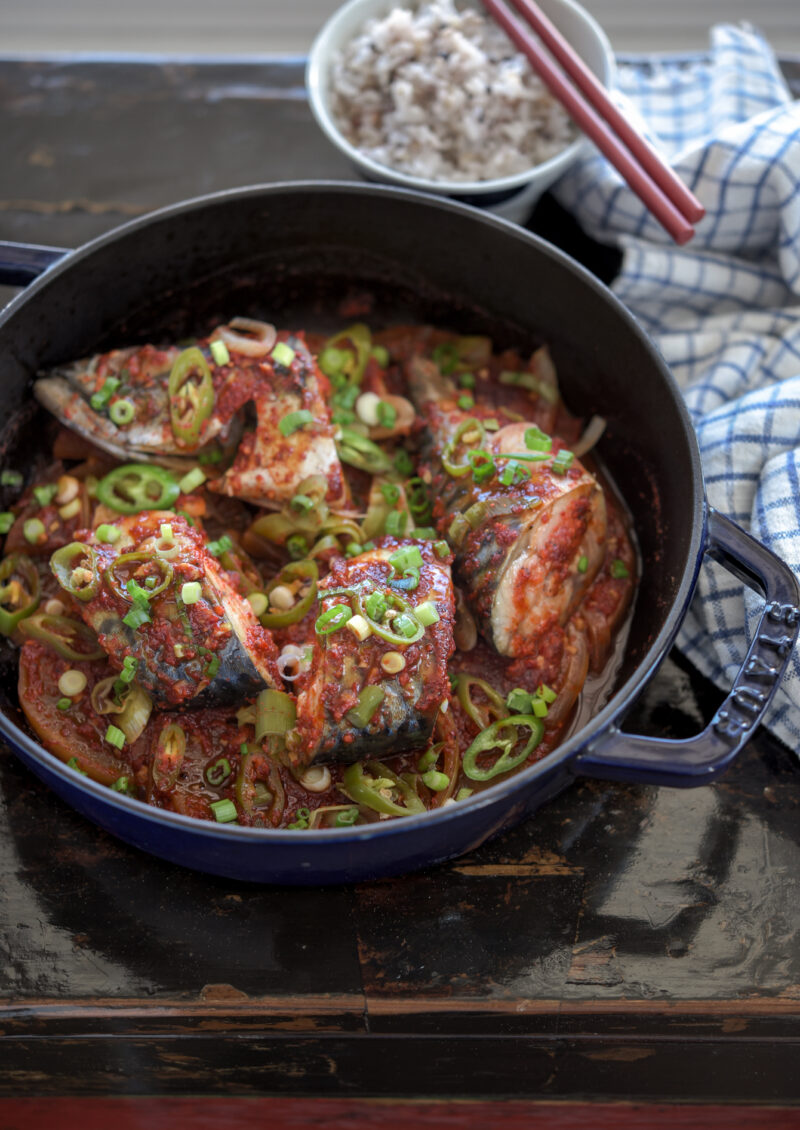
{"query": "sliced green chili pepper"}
[(138, 486), (489, 739), (345, 355), (75, 567), (295, 570), (71, 639), (478, 714), (333, 619), (119, 575), (358, 451), (467, 427), (406, 616), (168, 757), (191, 402), (19, 591), (368, 787), (259, 788)]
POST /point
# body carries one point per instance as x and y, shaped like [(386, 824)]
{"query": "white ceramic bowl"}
[(511, 196)]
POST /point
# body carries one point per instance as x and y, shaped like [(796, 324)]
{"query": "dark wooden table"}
[(626, 946)]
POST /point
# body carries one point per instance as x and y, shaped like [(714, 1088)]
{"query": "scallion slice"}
[(224, 811), (192, 479), (294, 421), (115, 736), (368, 703), (283, 354), (426, 613), (219, 351)]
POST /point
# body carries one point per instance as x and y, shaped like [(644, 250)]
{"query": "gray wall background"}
[(257, 27)]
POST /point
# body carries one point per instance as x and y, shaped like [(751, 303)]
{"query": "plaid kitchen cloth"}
[(724, 310)]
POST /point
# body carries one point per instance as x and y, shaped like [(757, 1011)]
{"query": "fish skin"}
[(226, 624), (341, 666), (518, 563)]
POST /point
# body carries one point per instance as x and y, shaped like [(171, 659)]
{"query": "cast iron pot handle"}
[(21, 263), (615, 755)]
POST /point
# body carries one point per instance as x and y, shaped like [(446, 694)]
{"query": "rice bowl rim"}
[(352, 17)]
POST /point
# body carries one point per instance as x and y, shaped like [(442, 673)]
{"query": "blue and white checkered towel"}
[(724, 310)]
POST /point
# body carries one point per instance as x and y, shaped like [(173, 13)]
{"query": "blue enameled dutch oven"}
[(294, 251)]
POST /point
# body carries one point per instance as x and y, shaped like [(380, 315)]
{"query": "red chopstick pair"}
[(653, 181)]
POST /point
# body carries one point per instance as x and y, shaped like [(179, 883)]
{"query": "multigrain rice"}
[(441, 93)]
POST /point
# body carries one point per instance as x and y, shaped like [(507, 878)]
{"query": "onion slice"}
[(257, 340), (591, 434)]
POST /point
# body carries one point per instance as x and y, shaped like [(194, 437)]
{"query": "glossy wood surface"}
[(626, 944)]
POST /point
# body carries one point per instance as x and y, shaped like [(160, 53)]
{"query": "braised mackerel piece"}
[(151, 590), (527, 522), (244, 389), (377, 676)]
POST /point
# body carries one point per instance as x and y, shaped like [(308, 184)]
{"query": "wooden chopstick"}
[(669, 201)]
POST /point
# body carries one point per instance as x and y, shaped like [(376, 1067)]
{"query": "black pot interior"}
[(309, 256)]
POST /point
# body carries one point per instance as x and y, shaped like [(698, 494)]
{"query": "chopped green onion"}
[(64, 703), (462, 794), (99, 400), (519, 701), (283, 354), (192, 479), (136, 618), (73, 764), (11, 479), (219, 351), (466, 402), (619, 569), (213, 666), (332, 360), (545, 692), (407, 557), (426, 613), (122, 412), (386, 413), (346, 818), (191, 592), (332, 620), (562, 462), (403, 463), (353, 549), (6, 521), (258, 602), (396, 522), (108, 534), (368, 702), (376, 606), (539, 708), (124, 785), (435, 780), (513, 473), (275, 713), (222, 545), (537, 440), (390, 492), (583, 564), (466, 380), (492, 424), (115, 736), (44, 495), (213, 456), (293, 421), (129, 667), (165, 531), (296, 547), (429, 758), (302, 503), (441, 548), (33, 530), (224, 811), (381, 355), (404, 625), (423, 533), (446, 356)]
